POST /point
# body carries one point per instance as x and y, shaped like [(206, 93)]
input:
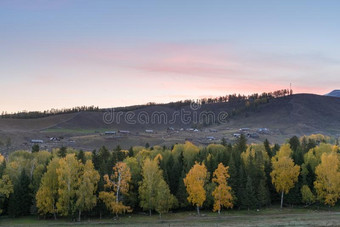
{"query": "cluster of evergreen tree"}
[(46, 113), (66, 181), (251, 102), (234, 98)]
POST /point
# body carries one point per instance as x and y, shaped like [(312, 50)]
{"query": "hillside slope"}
[(302, 113), (334, 93), (298, 114)]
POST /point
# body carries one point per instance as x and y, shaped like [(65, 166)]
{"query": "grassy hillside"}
[(291, 115), (297, 114)]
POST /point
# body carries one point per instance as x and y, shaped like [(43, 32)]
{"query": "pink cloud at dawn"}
[(109, 76), (57, 54), (218, 64)]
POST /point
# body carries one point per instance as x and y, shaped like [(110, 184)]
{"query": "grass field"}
[(75, 131), (266, 217)]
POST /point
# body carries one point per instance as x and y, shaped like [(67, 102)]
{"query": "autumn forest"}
[(76, 184)]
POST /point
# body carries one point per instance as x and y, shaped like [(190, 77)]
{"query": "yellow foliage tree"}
[(164, 199), (47, 194), (222, 193), (2, 158), (154, 193), (316, 137), (285, 173), (142, 155), (307, 195), (148, 186), (253, 151), (313, 156), (86, 193), (69, 176), (38, 168), (6, 187), (118, 183), (194, 183), (327, 182), (189, 152)]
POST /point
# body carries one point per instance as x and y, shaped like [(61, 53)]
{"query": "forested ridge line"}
[(249, 102)]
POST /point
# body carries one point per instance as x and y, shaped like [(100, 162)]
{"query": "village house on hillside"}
[(110, 133), (37, 141)]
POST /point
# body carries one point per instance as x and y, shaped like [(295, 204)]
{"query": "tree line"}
[(251, 102), (72, 183), (46, 113)]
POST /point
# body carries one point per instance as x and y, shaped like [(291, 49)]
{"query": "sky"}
[(66, 53)]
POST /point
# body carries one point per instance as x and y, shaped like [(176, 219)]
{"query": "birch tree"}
[(194, 183), (222, 193), (285, 173), (117, 184)]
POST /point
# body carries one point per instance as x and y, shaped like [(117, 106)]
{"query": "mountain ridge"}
[(334, 93), (299, 114)]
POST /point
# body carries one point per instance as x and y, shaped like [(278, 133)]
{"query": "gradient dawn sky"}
[(66, 53)]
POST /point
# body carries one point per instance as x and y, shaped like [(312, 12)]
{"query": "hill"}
[(167, 124), (334, 93)]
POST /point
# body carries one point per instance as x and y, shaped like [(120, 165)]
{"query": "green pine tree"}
[(21, 200), (250, 200), (62, 152), (81, 156), (35, 148), (267, 148)]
